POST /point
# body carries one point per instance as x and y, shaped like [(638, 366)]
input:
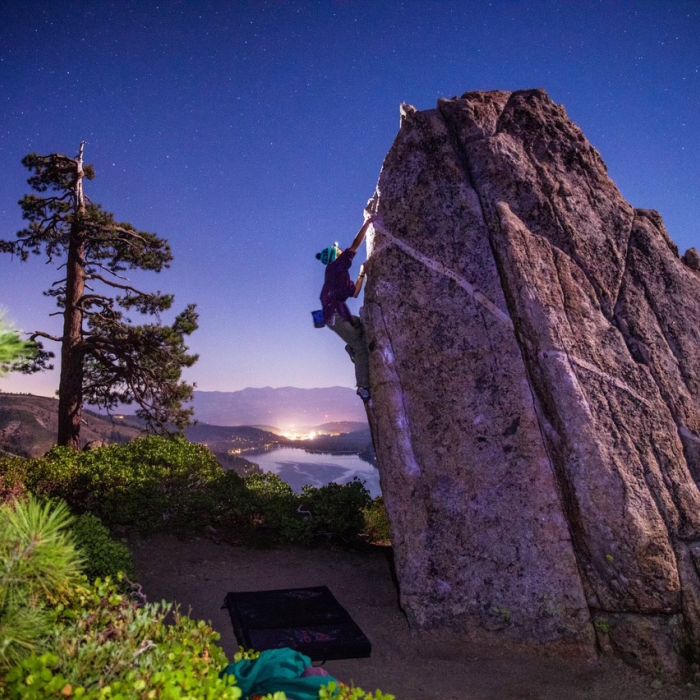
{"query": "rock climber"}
[(337, 288)]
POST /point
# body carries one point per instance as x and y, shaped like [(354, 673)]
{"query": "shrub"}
[(61, 636), (273, 508), (344, 692), (102, 555), (105, 646), (12, 477), (336, 510), (377, 527), (149, 484)]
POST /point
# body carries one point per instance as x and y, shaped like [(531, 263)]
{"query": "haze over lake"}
[(299, 468)]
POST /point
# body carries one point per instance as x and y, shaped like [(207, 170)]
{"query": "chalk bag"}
[(319, 320)]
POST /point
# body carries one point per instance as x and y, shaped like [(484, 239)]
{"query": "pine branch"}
[(96, 299), (103, 267), (41, 334), (116, 285)]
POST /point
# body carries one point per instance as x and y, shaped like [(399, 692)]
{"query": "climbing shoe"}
[(363, 393)]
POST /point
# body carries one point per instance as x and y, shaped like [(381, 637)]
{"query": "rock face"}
[(536, 380)]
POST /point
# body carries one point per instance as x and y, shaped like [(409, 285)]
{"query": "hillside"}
[(28, 425), (28, 428)]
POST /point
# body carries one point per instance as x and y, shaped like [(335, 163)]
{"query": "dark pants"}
[(352, 332)]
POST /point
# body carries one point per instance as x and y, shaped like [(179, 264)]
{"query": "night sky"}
[(251, 134)]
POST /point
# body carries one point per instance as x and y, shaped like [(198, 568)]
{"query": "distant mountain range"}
[(279, 407), (28, 425)]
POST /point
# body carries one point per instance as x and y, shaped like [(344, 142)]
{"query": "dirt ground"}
[(197, 573)]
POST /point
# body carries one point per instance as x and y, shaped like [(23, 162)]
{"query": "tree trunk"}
[(70, 389)]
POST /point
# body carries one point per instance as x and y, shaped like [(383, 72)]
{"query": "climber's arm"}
[(360, 281), (360, 236)]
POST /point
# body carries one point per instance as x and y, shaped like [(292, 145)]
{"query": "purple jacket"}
[(337, 287)]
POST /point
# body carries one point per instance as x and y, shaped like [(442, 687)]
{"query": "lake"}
[(298, 468)]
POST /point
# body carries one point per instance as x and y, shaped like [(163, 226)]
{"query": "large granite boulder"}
[(535, 375)]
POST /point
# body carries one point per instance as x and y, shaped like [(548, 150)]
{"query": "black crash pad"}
[(309, 620)]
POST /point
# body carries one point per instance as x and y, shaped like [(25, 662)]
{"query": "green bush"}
[(344, 692), (273, 508), (377, 527), (105, 646), (13, 474), (102, 555), (150, 484), (63, 637), (336, 510)]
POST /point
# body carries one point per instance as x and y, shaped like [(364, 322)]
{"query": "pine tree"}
[(106, 359)]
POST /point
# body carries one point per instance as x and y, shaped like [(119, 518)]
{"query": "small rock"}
[(94, 445), (692, 259)]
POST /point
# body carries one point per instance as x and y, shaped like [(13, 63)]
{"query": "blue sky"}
[(251, 134)]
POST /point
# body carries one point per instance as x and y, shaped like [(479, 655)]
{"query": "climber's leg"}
[(353, 334)]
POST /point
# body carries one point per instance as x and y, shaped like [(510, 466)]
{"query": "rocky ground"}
[(197, 573)]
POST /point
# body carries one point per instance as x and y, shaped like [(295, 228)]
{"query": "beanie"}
[(328, 255)]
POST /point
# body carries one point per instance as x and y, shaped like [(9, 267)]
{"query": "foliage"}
[(106, 646), (13, 476), (157, 483), (102, 555), (274, 509), (334, 691), (244, 654), (336, 510), (39, 567), (150, 484), (17, 355), (61, 636), (377, 526), (106, 359)]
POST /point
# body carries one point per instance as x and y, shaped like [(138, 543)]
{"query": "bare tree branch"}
[(41, 334)]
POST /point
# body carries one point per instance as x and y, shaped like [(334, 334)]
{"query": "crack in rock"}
[(440, 269)]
